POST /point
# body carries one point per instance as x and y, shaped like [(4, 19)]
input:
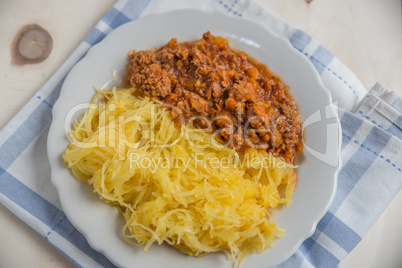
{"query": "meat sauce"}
[(215, 88)]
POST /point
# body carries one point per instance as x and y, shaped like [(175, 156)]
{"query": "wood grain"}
[(32, 44)]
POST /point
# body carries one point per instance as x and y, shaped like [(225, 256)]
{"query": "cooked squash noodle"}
[(174, 184)]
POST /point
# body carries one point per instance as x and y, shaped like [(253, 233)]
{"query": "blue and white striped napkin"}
[(370, 177)]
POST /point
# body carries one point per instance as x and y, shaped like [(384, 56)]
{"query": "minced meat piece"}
[(241, 98)]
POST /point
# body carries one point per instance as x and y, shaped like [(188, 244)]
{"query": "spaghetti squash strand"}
[(176, 188)]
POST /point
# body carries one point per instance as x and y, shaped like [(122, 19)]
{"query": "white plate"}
[(101, 224)]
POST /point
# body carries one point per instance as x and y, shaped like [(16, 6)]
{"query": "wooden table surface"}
[(364, 34)]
